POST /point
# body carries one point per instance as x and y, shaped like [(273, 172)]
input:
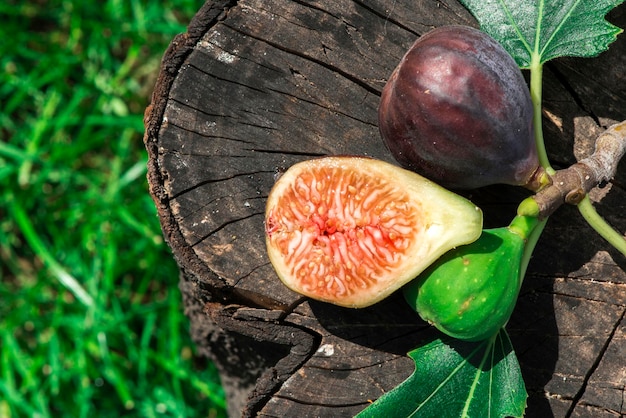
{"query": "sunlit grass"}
[(91, 319)]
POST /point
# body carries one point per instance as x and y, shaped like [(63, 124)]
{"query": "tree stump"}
[(255, 86)]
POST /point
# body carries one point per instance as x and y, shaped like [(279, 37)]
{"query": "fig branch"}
[(572, 184)]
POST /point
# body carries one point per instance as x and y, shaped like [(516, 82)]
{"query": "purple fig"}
[(457, 110)]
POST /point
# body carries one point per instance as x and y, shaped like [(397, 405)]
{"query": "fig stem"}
[(530, 229), (528, 207), (610, 148), (572, 184), (531, 243), (601, 226), (536, 75), (523, 225)]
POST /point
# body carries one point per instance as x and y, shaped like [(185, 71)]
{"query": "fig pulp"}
[(471, 291), (458, 111), (352, 230)]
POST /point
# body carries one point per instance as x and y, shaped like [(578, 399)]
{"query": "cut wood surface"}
[(257, 85)]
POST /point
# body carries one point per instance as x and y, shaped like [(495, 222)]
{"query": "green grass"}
[(91, 318)]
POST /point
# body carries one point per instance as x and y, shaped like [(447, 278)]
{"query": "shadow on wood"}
[(255, 86)]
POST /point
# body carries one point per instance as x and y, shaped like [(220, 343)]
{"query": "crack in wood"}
[(201, 111), (275, 13), (286, 112), (318, 8), (249, 273), (578, 396), (205, 48), (214, 201), (325, 405), (578, 297), (222, 226), (454, 12), (287, 152), (560, 77), (387, 17), (618, 414), (256, 125), (303, 344), (226, 80), (220, 137), (554, 277), (240, 121), (330, 109), (336, 368), (217, 180), (416, 331), (352, 78)]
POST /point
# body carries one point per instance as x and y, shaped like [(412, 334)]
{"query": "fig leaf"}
[(534, 32), (456, 378)]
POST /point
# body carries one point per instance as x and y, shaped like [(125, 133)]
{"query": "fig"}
[(471, 291), (352, 230), (457, 110)]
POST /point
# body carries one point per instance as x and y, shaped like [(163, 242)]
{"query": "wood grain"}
[(257, 85)]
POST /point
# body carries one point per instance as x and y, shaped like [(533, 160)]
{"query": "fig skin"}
[(458, 111), (471, 291), (352, 230)]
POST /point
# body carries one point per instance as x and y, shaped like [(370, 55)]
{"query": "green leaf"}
[(540, 30), (455, 378)]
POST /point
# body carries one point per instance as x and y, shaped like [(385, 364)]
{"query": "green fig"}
[(471, 291)]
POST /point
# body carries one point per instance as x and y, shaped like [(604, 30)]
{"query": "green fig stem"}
[(601, 226), (530, 229), (536, 75), (529, 207), (523, 225), (531, 243)]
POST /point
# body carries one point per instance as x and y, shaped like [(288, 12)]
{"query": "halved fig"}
[(352, 230)]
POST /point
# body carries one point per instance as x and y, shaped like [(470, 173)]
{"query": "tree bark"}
[(257, 85)]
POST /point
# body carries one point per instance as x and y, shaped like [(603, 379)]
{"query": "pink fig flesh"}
[(352, 230)]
